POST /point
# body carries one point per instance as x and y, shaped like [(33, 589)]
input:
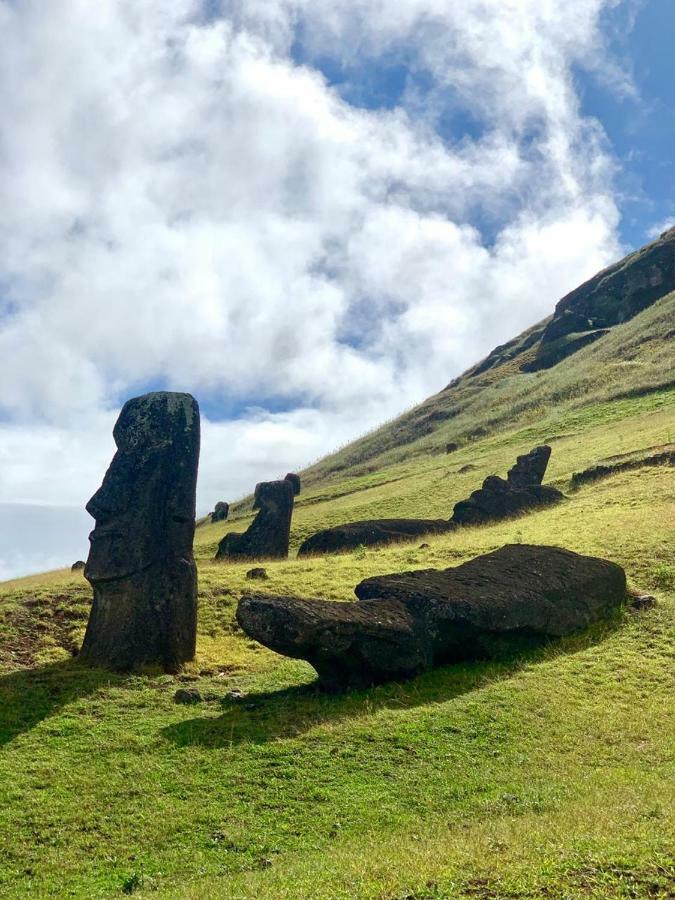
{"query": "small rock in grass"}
[(187, 696), (423, 547), (643, 601), (258, 573), (78, 565), (187, 676)]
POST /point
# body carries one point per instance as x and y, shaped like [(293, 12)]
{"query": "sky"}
[(310, 214)]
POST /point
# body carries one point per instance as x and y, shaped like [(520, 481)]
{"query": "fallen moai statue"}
[(371, 532), (268, 535), (404, 624), (140, 563), (498, 498)]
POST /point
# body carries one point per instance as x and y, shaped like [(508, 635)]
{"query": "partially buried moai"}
[(141, 564), (268, 535)]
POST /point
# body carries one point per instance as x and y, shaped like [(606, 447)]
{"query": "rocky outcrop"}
[(220, 512), (612, 296), (140, 563), (268, 535), (369, 533), (406, 623)]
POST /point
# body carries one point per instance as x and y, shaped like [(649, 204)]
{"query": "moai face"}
[(142, 508)]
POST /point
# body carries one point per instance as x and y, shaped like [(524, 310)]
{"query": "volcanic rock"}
[(268, 535), (530, 468), (295, 482), (407, 623), (220, 511), (140, 563), (78, 565), (370, 532)]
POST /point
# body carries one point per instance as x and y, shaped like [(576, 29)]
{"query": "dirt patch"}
[(32, 625)]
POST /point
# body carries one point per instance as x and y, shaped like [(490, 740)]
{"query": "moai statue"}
[(220, 511), (268, 535), (140, 563)]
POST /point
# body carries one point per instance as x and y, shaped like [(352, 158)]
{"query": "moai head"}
[(145, 508)]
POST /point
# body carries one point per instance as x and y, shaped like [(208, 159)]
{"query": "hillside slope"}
[(544, 775), (522, 380)]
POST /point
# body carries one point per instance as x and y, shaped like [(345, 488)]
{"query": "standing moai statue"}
[(268, 535), (141, 564), (220, 511)]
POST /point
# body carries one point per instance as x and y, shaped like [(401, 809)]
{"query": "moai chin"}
[(141, 565)]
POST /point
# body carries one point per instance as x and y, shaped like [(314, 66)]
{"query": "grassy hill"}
[(550, 774)]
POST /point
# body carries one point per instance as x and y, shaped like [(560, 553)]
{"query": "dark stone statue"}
[(140, 563), (220, 511), (295, 482), (530, 468), (407, 623), (268, 535), (520, 492), (498, 498)]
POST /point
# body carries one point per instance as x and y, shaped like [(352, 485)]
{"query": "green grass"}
[(545, 775)]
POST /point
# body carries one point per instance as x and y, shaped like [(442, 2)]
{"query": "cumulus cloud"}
[(188, 202)]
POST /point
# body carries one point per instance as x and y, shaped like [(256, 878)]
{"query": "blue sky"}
[(310, 215)]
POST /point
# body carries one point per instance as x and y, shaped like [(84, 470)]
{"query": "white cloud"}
[(184, 204)]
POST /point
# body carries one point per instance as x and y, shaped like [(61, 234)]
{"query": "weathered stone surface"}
[(595, 473), (370, 532), (140, 563), (521, 491), (530, 468), (257, 573), (220, 512), (295, 482), (78, 565), (268, 535), (498, 500), (187, 696), (406, 623)]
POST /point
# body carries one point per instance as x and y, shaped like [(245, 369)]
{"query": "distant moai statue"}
[(268, 535), (141, 564), (295, 482), (452, 447), (220, 511)]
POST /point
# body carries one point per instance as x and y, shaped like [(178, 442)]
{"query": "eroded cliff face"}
[(612, 296)]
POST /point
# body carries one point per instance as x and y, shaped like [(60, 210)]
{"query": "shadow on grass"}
[(291, 711), (27, 696)]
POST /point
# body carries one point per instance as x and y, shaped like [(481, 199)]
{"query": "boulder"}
[(406, 623), (370, 532), (452, 447), (78, 565), (259, 574), (295, 482), (140, 564), (268, 535), (220, 511)]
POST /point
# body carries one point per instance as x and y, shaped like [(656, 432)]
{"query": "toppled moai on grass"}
[(268, 535), (498, 498), (521, 491), (140, 563), (404, 624)]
